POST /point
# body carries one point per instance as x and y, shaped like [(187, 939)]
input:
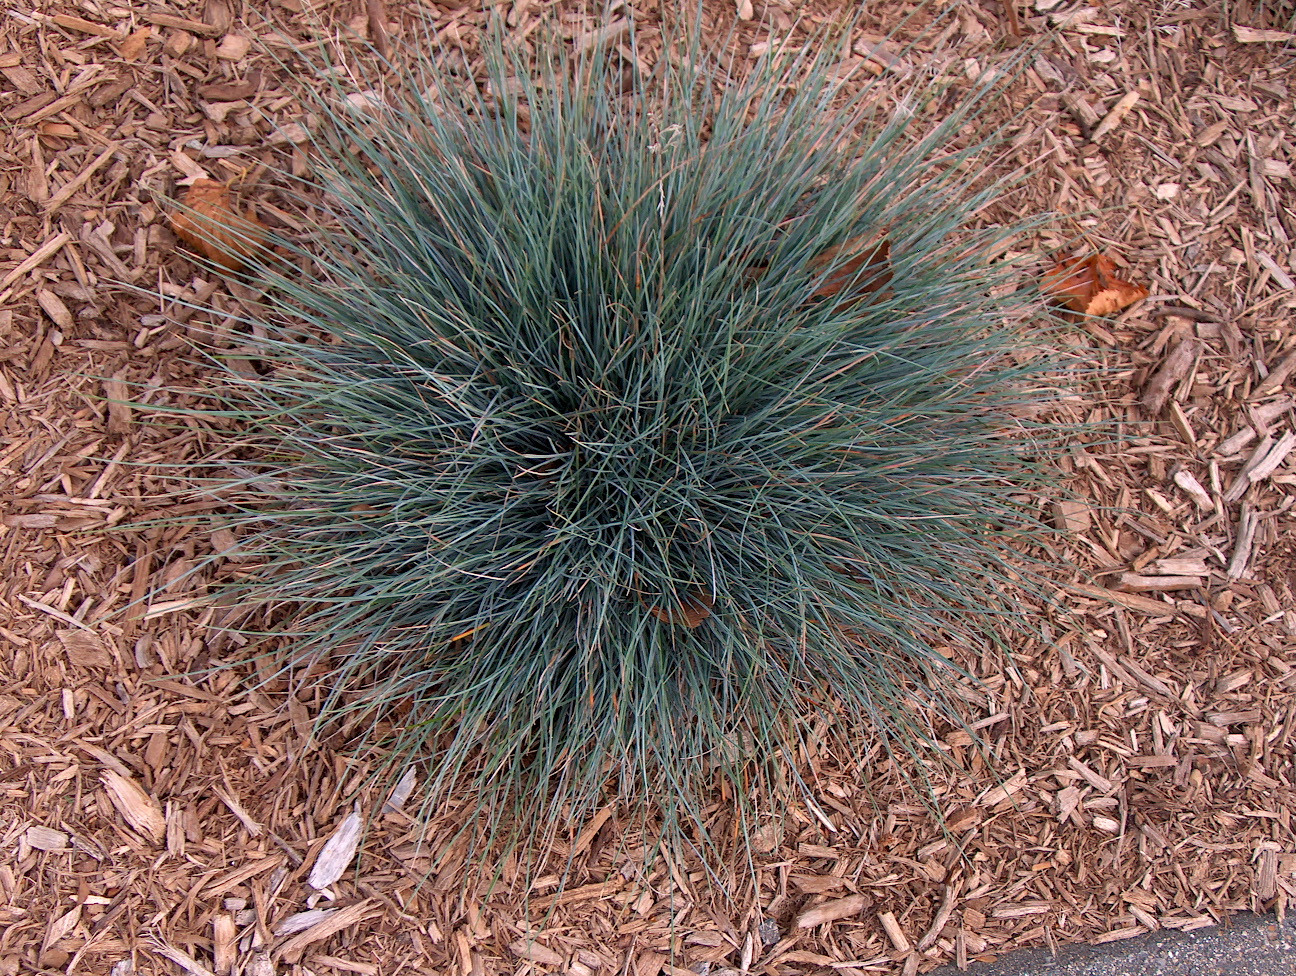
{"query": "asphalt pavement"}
[(1249, 945)]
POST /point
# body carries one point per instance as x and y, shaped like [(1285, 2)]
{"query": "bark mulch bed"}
[(1138, 770)]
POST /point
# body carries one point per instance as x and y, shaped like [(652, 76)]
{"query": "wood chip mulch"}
[(1138, 765)]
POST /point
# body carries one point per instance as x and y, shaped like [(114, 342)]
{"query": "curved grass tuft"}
[(590, 461)]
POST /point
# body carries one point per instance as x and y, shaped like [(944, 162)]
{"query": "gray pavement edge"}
[(1246, 945)]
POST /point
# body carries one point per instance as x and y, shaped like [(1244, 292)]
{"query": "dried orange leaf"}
[(693, 609), (1090, 286), (213, 227), (871, 263)]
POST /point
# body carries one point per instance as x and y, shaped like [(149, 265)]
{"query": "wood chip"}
[(66, 192), (1241, 558), (1266, 884), (1179, 566), (346, 965), (341, 919), (1100, 783), (832, 911), (182, 23), (1070, 515), (233, 47), (1277, 376), (301, 921), (1004, 791), (85, 649), (1115, 117), (37, 258), (85, 26), (1119, 935), (140, 810), (1231, 103), (61, 926), (533, 951), (1177, 365), (46, 839), (120, 414), (586, 837), (1150, 681), (590, 892), (337, 854), (593, 40), (1134, 583), (53, 307), (894, 932), (1194, 490), (401, 791), (1281, 277), (253, 828), (224, 937), (1242, 482), (1258, 35), (1275, 456), (181, 958), (949, 901), (879, 55)]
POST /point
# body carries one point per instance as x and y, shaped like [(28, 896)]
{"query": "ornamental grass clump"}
[(623, 422)]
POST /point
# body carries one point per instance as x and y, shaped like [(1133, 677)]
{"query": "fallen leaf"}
[(873, 257), (212, 226), (1090, 286), (693, 609)]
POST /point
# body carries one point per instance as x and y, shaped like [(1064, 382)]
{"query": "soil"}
[(1137, 773)]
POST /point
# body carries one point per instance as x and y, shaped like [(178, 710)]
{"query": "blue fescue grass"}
[(569, 366)]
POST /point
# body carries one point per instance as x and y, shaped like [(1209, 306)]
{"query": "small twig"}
[(377, 12), (1010, 7)]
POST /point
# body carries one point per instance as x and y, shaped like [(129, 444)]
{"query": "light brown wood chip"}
[(894, 932), (337, 853), (1116, 116), (140, 810), (47, 839), (224, 935), (535, 952), (831, 911), (339, 920), (1176, 367)]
